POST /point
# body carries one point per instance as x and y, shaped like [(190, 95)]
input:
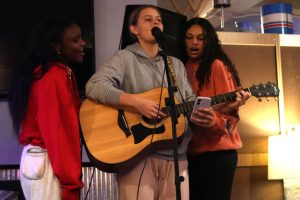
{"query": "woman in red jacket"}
[(212, 150), (44, 105)]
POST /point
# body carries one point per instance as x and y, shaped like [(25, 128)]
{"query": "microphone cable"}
[(91, 180), (81, 155), (153, 132)]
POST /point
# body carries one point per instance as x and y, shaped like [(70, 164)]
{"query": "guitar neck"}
[(183, 108), (222, 98)]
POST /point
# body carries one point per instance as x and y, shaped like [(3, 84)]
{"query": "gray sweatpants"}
[(157, 183)]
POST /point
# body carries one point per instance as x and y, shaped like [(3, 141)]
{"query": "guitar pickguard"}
[(140, 132)]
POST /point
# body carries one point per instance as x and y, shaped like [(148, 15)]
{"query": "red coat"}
[(51, 122)]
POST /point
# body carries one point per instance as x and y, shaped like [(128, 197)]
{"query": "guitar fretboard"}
[(184, 108)]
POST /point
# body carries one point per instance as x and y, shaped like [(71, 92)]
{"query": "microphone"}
[(157, 34)]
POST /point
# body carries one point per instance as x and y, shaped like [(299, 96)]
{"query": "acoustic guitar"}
[(117, 139)]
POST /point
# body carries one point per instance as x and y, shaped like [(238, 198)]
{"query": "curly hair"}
[(212, 50)]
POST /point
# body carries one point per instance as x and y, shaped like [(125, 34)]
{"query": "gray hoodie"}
[(133, 71)]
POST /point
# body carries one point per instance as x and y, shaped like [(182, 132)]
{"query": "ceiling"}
[(238, 11)]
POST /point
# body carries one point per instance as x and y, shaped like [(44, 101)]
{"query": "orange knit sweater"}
[(223, 135)]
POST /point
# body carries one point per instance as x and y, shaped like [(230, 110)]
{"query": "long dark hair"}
[(212, 50), (40, 52)]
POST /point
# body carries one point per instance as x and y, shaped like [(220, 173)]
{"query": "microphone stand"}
[(174, 120)]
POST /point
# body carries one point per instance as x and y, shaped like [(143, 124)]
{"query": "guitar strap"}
[(174, 79)]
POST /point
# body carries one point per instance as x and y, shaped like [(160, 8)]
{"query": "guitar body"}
[(116, 140)]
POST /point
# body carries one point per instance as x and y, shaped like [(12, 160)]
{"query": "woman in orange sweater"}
[(212, 150)]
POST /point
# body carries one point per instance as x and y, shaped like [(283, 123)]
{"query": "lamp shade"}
[(283, 157)]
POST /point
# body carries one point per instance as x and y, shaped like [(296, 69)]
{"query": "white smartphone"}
[(202, 102)]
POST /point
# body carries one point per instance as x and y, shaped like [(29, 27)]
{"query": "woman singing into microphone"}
[(137, 69)]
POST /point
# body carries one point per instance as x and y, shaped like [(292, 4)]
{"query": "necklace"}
[(193, 68), (69, 71)]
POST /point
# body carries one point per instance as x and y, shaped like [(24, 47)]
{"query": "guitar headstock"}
[(264, 90)]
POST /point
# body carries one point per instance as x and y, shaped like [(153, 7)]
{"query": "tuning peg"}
[(275, 98), (268, 99), (260, 99)]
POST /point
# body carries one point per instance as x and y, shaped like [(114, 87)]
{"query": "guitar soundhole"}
[(151, 121)]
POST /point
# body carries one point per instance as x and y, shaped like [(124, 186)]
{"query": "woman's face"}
[(148, 18), (71, 49), (194, 41)]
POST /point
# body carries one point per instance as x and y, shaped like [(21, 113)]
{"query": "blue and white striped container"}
[(277, 18)]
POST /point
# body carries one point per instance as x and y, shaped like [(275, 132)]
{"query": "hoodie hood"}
[(139, 51)]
